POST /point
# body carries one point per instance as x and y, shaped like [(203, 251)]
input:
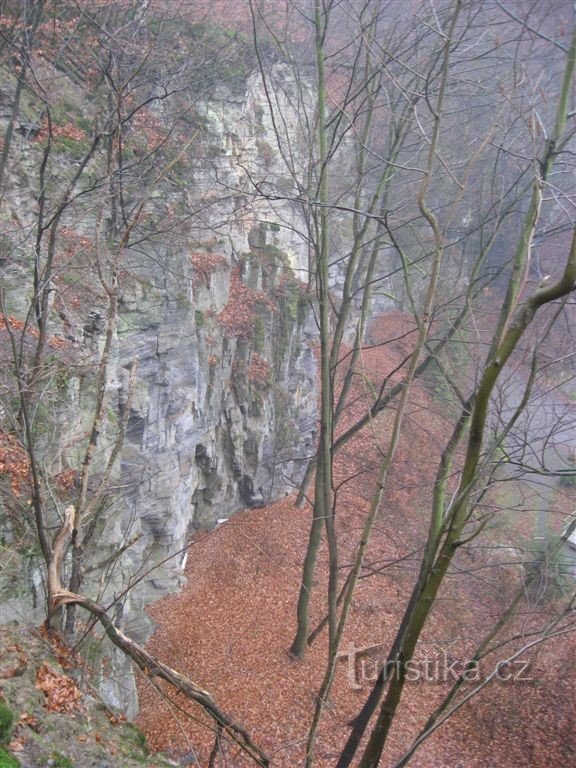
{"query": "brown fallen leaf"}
[(16, 745), (62, 694)]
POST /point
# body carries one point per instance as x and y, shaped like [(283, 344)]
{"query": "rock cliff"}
[(163, 274)]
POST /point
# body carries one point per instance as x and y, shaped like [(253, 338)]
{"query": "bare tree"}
[(449, 223), (98, 200), (429, 175)]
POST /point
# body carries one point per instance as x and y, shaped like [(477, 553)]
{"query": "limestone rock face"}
[(210, 370)]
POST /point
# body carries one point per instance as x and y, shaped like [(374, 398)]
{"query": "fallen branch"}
[(150, 666)]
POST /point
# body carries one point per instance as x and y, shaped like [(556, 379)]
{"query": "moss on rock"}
[(7, 760), (6, 723)]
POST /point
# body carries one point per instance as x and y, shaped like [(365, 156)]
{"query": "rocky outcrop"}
[(211, 364), (51, 715)]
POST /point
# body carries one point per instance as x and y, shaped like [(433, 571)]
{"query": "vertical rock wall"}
[(211, 364)]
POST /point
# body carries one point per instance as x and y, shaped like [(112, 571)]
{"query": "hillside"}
[(57, 718), (287, 382), (232, 625)]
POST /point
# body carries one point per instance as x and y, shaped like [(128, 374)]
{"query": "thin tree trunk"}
[(425, 594), (323, 513)]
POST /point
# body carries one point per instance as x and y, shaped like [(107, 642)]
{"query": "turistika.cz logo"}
[(366, 663)]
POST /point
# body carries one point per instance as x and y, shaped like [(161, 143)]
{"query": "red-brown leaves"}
[(205, 264), (234, 622), (259, 372), (62, 694), (11, 322), (14, 324), (18, 666), (66, 131), (13, 462), (237, 317)]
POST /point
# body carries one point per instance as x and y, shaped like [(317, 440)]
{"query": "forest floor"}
[(231, 627)]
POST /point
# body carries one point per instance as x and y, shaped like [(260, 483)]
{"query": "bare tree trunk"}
[(323, 512)]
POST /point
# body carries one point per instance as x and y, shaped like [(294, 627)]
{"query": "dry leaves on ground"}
[(62, 693)]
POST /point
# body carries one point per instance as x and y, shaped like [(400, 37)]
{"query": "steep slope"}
[(155, 322), (57, 717), (233, 623)]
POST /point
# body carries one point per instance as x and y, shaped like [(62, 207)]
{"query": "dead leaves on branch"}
[(259, 372), (237, 317), (205, 263), (14, 462), (14, 325)]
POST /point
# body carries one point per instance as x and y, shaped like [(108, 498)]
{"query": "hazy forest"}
[(287, 383)]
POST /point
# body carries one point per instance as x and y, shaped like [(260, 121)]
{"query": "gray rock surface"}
[(212, 356)]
